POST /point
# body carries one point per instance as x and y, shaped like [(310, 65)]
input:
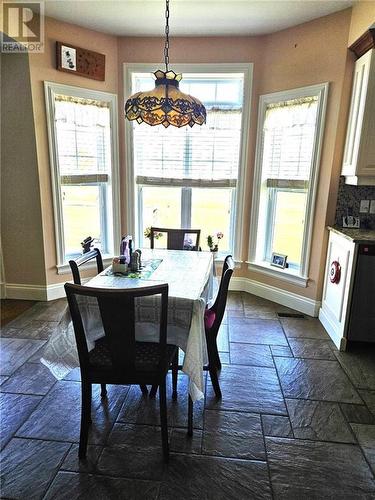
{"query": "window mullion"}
[(140, 216), (270, 223), (186, 193), (103, 216)]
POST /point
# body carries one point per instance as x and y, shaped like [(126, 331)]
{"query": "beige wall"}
[(21, 221), (363, 16), (42, 67), (311, 53)]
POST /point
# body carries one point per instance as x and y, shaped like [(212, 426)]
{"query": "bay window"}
[(83, 151), (290, 129), (191, 177)]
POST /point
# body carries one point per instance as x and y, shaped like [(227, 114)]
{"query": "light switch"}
[(364, 206), (372, 207)]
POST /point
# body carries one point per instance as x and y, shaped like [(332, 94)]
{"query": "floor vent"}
[(291, 315)]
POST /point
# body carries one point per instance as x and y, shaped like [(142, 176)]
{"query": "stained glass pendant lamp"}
[(165, 104)]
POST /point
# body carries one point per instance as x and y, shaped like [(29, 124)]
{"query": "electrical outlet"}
[(364, 206), (372, 207)]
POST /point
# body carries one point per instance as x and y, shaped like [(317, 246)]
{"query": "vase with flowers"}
[(147, 233), (213, 241)]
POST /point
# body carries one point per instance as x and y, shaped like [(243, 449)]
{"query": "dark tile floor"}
[(297, 419)]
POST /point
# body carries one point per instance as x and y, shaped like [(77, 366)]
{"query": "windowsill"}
[(287, 274), (65, 268)]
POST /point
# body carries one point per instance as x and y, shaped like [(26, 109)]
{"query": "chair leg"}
[(174, 376), (153, 391), (214, 380), (213, 358), (163, 420), (144, 389), (103, 393), (217, 357), (190, 416), (86, 389)]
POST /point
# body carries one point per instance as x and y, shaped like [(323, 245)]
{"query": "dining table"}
[(191, 283)]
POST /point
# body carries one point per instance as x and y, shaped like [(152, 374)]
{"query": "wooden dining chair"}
[(75, 264), (213, 317), (177, 238), (212, 321), (119, 358), (83, 259)]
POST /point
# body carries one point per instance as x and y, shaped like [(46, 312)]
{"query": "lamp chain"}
[(166, 46)]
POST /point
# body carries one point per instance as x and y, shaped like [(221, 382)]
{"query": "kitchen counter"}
[(360, 236)]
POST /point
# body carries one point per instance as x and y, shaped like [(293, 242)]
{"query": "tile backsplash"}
[(348, 200)]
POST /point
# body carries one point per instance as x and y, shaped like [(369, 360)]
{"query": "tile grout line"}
[(267, 460), (56, 471), (263, 433), (357, 441)]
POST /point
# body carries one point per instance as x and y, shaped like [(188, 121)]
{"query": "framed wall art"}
[(82, 62)]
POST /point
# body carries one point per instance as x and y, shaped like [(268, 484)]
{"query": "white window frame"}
[(290, 275), (50, 90), (132, 200)]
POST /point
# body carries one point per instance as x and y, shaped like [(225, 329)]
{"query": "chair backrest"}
[(117, 312), (221, 299), (82, 259), (178, 239)]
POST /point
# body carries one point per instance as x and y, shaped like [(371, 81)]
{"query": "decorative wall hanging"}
[(82, 62), (165, 104)]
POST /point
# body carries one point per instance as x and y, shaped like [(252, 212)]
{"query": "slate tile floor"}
[(297, 419)]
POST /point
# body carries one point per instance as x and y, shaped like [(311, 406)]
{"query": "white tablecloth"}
[(191, 286)]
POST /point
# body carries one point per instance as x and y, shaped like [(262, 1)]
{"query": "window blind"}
[(83, 139), (288, 140), (200, 156)]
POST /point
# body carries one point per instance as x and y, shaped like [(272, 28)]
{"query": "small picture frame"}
[(68, 58), (279, 260)]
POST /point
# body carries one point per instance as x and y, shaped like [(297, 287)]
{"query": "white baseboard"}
[(22, 291), (278, 295), (2, 291), (34, 292), (288, 299), (56, 291)]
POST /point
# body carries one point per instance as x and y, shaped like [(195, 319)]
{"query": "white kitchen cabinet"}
[(334, 313), (359, 154)]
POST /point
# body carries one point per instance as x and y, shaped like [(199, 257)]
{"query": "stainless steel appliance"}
[(362, 312)]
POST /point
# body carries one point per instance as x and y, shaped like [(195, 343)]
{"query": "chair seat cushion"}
[(209, 318), (146, 355)]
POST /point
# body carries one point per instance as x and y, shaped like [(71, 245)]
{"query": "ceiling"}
[(191, 17)]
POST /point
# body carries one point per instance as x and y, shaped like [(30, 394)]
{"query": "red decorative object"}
[(335, 272)]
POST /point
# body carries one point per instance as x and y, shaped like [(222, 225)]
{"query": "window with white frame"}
[(189, 177), (83, 150), (290, 129)]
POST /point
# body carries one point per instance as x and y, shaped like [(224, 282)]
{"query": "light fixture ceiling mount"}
[(165, 104)]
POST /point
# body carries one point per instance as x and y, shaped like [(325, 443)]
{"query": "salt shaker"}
[(135, 262)]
